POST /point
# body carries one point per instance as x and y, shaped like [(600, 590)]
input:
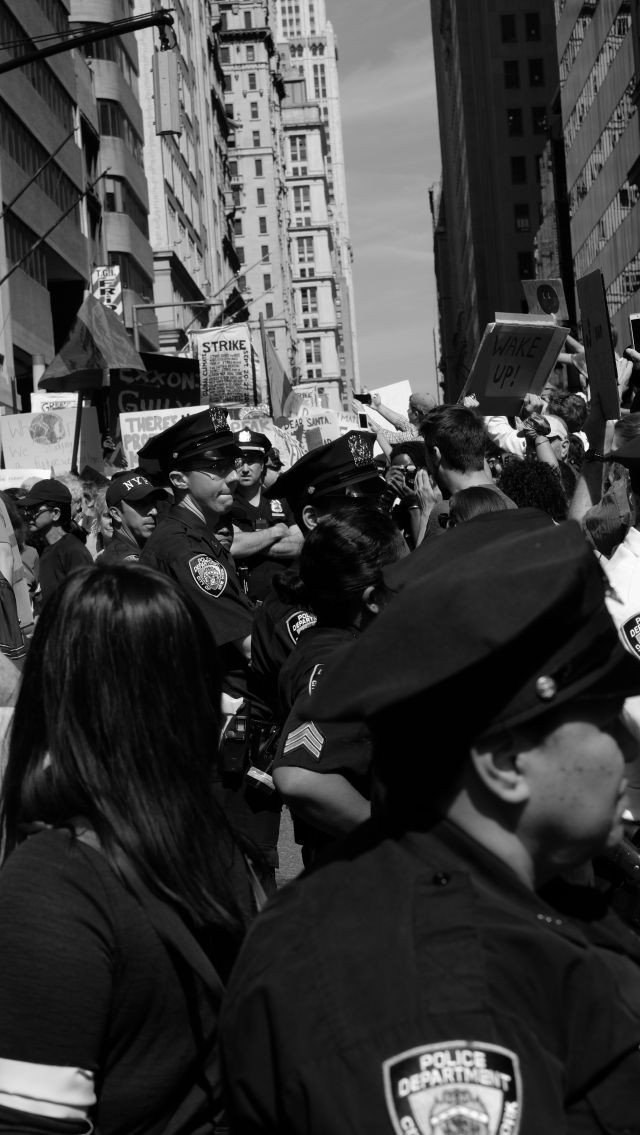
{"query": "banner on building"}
[(513, 359), (598, 345), (137, 428), (226, 363), (45, 441)]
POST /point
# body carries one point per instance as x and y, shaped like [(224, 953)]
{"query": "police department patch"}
[(299, 622), (457, 1087), (208, 574), (630, 634)]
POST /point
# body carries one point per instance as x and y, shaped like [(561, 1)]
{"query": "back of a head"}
[(478, 499), (532, 484), (460, 435), (570, 407)]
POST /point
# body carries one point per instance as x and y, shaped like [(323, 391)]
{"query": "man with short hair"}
[(47, 508), (437, 973), (132, 501)]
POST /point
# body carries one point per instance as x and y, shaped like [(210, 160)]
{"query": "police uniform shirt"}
[(121, 550), (277, 628), (251, 518), (415, 985), (186, 549), (302, 669)]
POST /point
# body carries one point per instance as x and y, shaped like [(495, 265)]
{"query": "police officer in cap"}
[(326, 478), (266, 537), (200, 458), (132, 501), (436, 974)]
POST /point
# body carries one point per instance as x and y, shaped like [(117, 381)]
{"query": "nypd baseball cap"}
[(130, 487)]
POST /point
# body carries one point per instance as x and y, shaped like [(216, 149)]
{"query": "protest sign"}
[(44, 403), (316, 427), (598, 344), (45, 441), (225, 359), (545, 297), (168, 382), (513, 359), (136, 429), (395, 396), (14, 478)]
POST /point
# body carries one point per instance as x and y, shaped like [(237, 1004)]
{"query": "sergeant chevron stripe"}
[(308, 737)]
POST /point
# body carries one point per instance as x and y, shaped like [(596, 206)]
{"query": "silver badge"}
[(460, 1086), (209, 575)]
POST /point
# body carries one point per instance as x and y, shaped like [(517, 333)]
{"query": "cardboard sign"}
[(598, 344), (225, 358), (43, 403), (513, 359), (169, 381), (395, 397), (545, 297), (136, 429), (14, 478), (45, 441)]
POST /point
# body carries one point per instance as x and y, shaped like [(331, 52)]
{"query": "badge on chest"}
[(209, 575)]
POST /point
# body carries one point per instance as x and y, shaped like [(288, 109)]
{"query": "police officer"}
[(329, 477), (132, 501), (200, 458), (420, 982), (266, 537)]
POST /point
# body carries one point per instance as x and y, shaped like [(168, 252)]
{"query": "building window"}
[(256, 138), (19, 239), (253, 82), (233, 168), (247, 19), (511, 70), (298, 153), (258, 165), (266, 282), (309, 306), (262, 224), (225, 54), (240, 254), (114, 123), (268, 311), (236, 193), (313, 358), (539, 119), (264, 253), (271, 336), (525, 266), (305, 256), (302, 204), (251, 54), (237, 226), (518, 170), (254, 110), (228, 109), (242, 283), (319, 81), (508, 29), (27, 152), (532, 31), (536, 73), (514, 122), (260, 195), (521, 218)]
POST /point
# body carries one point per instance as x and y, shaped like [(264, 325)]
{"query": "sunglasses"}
[(221, 467), (33, 513)]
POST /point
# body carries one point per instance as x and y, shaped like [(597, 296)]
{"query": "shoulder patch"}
[(210, 576), (315, 674), (276, 508), (630, 634), (306, 736), (456, 1085), (298, 622)]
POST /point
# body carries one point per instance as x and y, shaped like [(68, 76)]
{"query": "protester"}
[(468, 503), (123, 896), (102, 528), (421, 970), (265, 533), (133, 506), (405, 429), (534, 484), (47, 508), (405, 460)]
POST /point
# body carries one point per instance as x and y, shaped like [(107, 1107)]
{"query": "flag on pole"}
[(283, 400)]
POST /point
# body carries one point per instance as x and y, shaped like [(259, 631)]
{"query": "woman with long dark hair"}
[(122, 890)]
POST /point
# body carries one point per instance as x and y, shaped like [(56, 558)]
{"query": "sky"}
[(392, 157)]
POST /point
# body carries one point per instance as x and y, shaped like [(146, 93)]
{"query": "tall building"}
[(496, 73), (254, 91), (598, 45), (41, 125), (312, 47)]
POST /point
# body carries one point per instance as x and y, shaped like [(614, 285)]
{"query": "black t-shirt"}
[(260, 567), (58, 560)]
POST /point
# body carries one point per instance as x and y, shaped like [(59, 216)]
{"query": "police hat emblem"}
[(218, 415), (361, 447), (244, 437), (464, 1086), (210, 576)]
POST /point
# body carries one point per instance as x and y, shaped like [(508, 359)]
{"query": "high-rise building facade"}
[(496, 74), (597, 45), (311, 42)]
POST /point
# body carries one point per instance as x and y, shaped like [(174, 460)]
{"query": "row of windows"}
[(19, 239), (509, 28), (250, 54), (38, 74), (131, 275), (570, 54), (29, 154), (56, 14), (625, 285), (515, 121), (319, 81), (119, 198), (114, 123), (252, 80), (112, 51), (297, 50), (622, 204), (238, 226), (255, 142), (614, 41), (229, 110), (224, 23), (605, 145), (511, 71)]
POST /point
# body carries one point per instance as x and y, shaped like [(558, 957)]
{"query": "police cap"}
[(251, 442), (192, 442), (329, 470), (492, 637)]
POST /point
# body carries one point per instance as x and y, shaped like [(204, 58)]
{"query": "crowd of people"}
[(428, 649)]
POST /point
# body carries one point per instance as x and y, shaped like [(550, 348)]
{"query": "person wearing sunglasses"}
[(47, 510)]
